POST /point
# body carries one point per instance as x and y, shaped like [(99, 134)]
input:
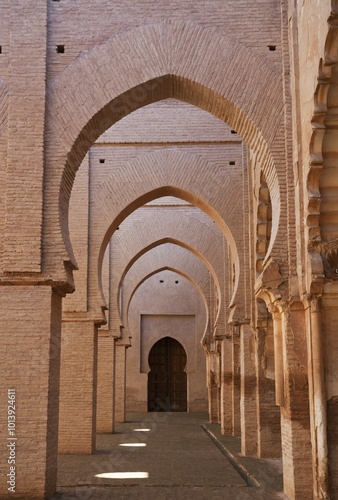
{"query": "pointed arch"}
[(161, 170), (150, 63), (177, 243), (190, 277), (160, 258)]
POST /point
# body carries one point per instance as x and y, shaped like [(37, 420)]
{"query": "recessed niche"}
[(60, 49), (232, 163), (102, 160), (272, 48), (233, 132), (161, 281)]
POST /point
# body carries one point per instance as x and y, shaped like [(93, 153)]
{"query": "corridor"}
[(167, 456)]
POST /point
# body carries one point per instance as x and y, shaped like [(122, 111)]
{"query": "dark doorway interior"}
[(167, 380)]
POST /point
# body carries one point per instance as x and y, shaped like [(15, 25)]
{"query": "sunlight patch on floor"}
[(123, 475), (133, 444)]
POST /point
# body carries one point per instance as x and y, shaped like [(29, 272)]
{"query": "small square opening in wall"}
[(0, 49), (60, 49), (233, 132), (232, 162), (102, 160), (272, 48)]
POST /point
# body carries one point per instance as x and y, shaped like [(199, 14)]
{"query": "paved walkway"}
[(160, 456)]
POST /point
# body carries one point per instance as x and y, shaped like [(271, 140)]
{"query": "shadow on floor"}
[(160, 456)]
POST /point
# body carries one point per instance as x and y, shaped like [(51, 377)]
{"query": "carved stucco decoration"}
[(323, 255), (328, 252), (270, 280)]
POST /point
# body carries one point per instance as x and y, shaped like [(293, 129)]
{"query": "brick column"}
[(120, 383), (278, 356), (295, 417), (226, 387), (25, 144), (212, 387), (105, 382), (30, 325), (77, 421), (248, 392), (269, 428), (213, 400), (236, 386), (329, 393)]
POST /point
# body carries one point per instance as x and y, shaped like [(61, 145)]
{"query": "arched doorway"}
[(167, 380)]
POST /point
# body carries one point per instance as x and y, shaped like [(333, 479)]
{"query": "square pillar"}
[(213, 386), (30, 325), (295, 415), (269, 428), (326, 387), (120, 383), (213, 400), (77, 420), (105, 382), (248, 392), (226, 387), (236, 386), (21, 251)]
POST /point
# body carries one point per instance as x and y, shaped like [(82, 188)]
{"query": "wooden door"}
[(167, 380)]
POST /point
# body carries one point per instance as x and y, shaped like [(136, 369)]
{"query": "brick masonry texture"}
[(169, 169)]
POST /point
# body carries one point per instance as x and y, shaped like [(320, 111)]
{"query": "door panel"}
[(167, 380)]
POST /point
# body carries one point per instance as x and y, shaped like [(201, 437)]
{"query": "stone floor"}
[(167, 456)]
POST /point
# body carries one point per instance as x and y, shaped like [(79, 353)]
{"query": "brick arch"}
[(174, 241), (177, 243), (207, 330), (160, 258), (151, 229), (179, 270), (151, 176), (322, 180), (174, 270), (170, 59)]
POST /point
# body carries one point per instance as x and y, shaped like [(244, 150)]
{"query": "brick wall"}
[(30, 363)]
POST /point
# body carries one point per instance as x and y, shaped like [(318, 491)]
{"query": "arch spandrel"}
[(161, 168), (155, 51), (177, 243), (195, 265), (174, 270), (144, 65), (187, 228), (162, 258)]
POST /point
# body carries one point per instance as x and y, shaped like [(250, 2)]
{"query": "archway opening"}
[(167, 379)]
